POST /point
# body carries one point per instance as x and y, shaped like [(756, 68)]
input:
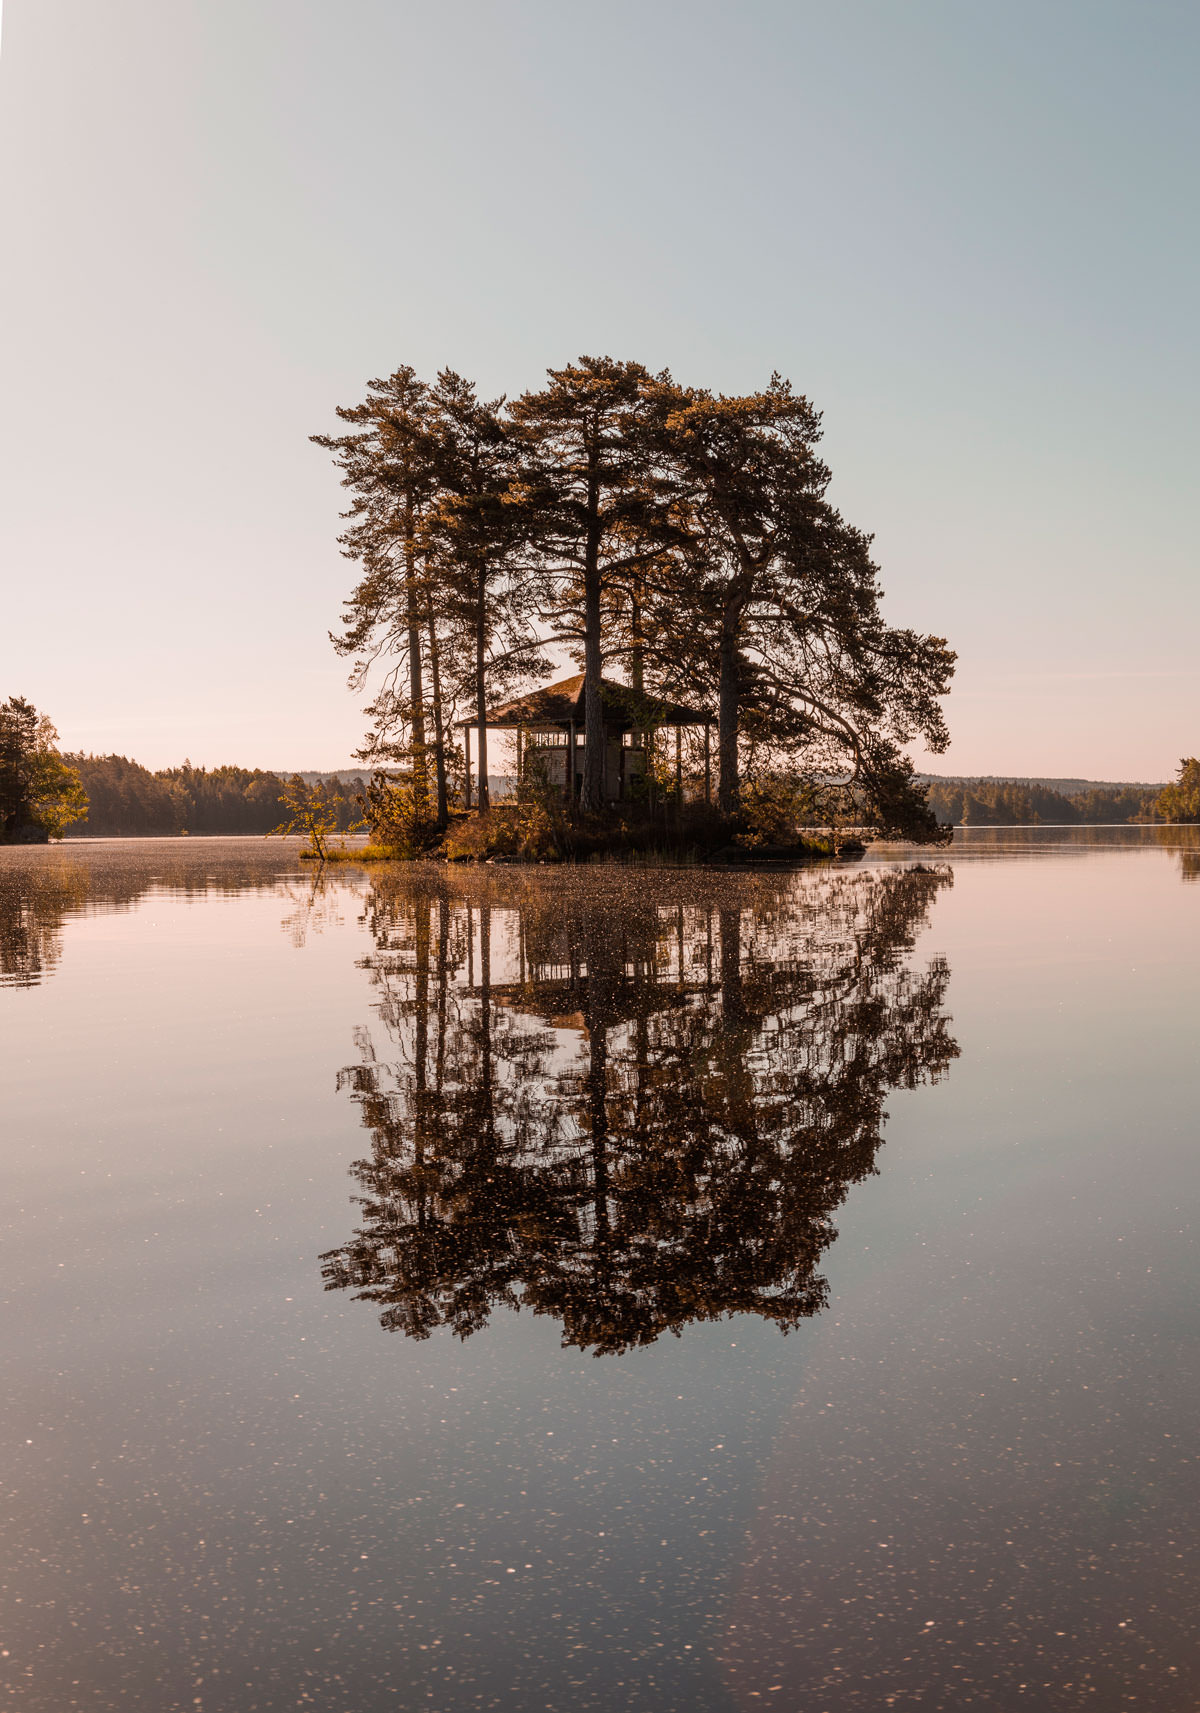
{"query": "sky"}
[(967, 232)]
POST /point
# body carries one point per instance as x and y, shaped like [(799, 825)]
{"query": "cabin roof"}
[(560, 704)]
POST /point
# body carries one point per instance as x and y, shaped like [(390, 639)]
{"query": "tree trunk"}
[(421, 1033), (733, 1002), (593, 705), (487, 1126), (415, 682), (443, 964), (637, 666), (728, 783), (597, 1010), (439, 729), (481, 702)]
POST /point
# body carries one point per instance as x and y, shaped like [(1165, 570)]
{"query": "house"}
[(550, 727)]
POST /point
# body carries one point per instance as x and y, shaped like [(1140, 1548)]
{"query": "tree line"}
[(125, 798), (680, 536), (1016, 803), (1010, 803), (45, 794)]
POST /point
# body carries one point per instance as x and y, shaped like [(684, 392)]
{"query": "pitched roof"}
[(559, 704)]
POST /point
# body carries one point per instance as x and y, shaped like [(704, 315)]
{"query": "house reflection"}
[(625, 1101)]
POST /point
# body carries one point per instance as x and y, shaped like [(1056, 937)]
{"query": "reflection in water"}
[(627, 1101), (33, 906), (42, 889), (1185, 842)]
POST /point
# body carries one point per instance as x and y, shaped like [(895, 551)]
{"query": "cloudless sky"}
[(967, 231)]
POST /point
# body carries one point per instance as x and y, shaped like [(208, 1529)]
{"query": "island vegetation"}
[(680, 536)]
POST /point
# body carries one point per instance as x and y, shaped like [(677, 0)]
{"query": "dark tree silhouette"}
[(630, 1104)]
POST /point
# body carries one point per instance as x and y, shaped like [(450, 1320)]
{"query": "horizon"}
[(958, 232), (923, 774)]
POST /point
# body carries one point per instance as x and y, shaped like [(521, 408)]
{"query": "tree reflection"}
[(34, 904), (629, 1103), (1185, 842), (43, 889)]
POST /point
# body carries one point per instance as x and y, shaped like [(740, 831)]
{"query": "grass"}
[(617, 849)]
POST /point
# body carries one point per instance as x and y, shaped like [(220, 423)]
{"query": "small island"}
[(735, 678)]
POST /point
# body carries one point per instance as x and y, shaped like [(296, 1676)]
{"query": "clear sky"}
[(967, 231)]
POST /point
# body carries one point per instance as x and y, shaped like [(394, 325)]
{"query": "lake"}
[(524, 1288)]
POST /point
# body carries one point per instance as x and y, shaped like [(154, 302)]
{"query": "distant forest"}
[(125, 798), (1020, 802)]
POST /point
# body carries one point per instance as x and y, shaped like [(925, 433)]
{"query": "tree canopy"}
[(1180, 801), (40, 793), (681, 534)]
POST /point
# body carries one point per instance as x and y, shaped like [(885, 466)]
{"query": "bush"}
[(398, 816), (772, 807)]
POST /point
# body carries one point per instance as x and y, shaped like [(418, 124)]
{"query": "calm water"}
[(524, 1289)]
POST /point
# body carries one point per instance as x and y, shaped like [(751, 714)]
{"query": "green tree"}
[(591, 508), (684, 533), (40, 794), (1180, 801), (774, 602), (307, 810), (474, 534), (389, 464)]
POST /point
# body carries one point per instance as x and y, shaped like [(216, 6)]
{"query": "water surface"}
[(601, 1289)]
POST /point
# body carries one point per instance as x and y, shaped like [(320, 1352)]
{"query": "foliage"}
[(432, 474), (537, 813), (1013, 803), (396, 811), (531, 825), (307, 811), (1180, 801), (683, 533), (772, 808), (127, 799), (41, 794), (473, 838), (770, 599), (595, 515)]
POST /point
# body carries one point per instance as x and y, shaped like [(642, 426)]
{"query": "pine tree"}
[(590, 508), (389, 465), (481, 583)]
